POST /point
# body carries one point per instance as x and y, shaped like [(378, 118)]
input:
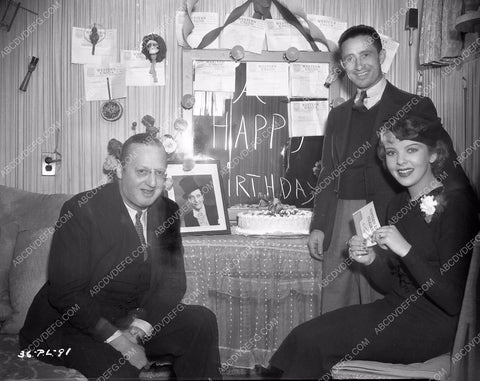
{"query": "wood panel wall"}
[(55, 95)]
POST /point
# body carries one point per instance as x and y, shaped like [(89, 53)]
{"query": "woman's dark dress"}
[(418, 317)]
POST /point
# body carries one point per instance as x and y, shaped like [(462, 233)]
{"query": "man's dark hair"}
[(361, 30), (142, 138)]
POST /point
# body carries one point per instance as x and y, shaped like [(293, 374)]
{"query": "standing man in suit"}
[(351, 175), (201, 214), (118, 262)]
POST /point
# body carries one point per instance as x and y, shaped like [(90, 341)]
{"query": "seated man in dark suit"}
[(116, 279), (201, 214)]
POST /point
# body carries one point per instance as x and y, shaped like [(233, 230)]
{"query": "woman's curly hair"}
[(420, 130)]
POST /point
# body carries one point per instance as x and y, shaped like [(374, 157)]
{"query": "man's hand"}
[(317, 168), (315, 244), (133, 353)]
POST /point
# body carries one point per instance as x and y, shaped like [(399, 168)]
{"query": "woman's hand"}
[(134, 334), (389, 237), (358, 250)]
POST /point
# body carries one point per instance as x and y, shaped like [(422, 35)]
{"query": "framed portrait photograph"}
[(200, 196)]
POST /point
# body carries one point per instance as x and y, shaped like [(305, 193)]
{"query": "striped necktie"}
[(359, 105), (139, 229)]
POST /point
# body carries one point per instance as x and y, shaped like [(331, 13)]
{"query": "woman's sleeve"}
[(444, 281), (379, 272)]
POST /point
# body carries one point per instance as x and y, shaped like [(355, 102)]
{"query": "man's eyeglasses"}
[(159, 175)]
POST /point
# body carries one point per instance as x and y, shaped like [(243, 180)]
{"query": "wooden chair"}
[(462, 364)]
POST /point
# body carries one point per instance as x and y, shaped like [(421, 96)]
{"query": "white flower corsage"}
[(428, 205)]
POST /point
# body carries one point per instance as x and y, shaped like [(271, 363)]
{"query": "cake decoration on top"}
[(274, 218)]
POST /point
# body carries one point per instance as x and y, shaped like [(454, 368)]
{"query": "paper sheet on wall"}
[(247, 32), (95, 77), (199, 105), (307, 79), (214, 76), (203, 23), (219, 103), (204, 103), (332, 28), (281, 35), (307, 118), (137, 69), (105, 49), (391, 47), (267, 78)]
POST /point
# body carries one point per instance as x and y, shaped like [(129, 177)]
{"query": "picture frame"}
[(200, 196)]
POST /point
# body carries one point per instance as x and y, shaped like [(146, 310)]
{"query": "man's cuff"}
[(145, 326), (103, 330), (116, 334)]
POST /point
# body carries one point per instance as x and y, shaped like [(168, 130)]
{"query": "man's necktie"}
[(359, 105), (139, 229)]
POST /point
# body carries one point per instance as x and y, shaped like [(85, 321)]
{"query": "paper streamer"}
[(296, 8), (262, 9)]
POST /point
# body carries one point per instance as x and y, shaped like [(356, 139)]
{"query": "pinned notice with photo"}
[(366, 222)]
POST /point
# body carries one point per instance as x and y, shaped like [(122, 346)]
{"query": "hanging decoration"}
[(170, 142), (261, 10), (31, 67), (188, 25), (112, 161), (155, 50), (93, 45), (111, 110), (95, 35), (149, 122), (296, 8)]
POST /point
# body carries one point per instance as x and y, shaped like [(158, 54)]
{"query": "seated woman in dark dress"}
[(428, 226)]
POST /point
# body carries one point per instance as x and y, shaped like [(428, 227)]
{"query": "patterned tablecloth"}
[(259, 288)]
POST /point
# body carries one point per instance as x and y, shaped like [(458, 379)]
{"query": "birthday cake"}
[(274, 221)]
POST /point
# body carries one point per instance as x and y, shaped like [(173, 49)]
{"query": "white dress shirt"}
[(143, 219), (374, 93), (201, 216)]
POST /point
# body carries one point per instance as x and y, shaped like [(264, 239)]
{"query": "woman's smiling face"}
[(409, 162)]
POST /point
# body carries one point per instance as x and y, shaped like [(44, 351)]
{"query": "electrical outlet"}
[(49, 167)]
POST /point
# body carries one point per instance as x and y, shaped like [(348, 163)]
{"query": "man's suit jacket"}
[(86, 249), (212, 216), (380, 185)]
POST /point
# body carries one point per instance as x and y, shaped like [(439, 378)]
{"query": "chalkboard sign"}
[(249, 135), (299, 179)]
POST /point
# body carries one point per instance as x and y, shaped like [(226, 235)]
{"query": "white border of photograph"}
[(201, 170)]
